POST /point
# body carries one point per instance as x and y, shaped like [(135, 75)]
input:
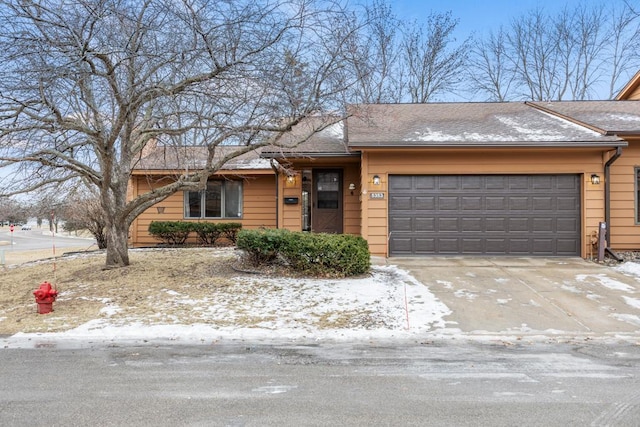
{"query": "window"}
[(221, 199)]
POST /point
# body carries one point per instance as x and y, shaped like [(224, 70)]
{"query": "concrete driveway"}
[(529, 296)]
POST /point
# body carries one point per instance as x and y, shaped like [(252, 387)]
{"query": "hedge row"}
[(316, 254), (177, 232)]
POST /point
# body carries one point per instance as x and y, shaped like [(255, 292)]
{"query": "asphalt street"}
[(26, 240), (356, 384)]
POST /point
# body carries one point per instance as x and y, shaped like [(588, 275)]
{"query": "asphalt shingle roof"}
[(465, 124), (194, 158), (612, 117)]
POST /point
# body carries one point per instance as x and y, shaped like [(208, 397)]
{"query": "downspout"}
[(275, 171), (607, 202)]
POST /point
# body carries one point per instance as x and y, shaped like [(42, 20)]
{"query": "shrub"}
[(230, 230), (207, 232), (336, 255), (261, 246), (170, 232)]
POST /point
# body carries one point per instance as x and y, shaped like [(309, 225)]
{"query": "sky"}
[(481, 16)]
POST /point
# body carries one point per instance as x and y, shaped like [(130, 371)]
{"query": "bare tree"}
[(86, 85), (490, 69), (623, 46), (373, 53), (570, 55), (433, 65), (84, 212)]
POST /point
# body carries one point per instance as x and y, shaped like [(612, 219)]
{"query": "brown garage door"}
[(484, 215)]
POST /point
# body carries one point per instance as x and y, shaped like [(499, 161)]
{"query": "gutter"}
[(274, 166), (607, 202)]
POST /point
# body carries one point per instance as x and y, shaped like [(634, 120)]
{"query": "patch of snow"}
[(633, 302), (171, 292), (335, 130), (606, 281), (464, 293), (571, 289), (400, 305), (623, 117), (503, 301), (445, 284), (631, 268), (629, 318)]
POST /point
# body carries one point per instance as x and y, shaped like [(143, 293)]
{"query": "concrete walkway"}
[(514, 296)]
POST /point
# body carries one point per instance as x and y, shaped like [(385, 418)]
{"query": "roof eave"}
[(523, 144), (306, 155)]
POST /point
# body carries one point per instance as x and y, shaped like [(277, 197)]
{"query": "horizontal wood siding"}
[(478, 162), (259, 208), (625, 232)]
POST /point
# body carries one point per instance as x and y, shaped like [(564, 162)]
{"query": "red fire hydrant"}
[(45, 296)]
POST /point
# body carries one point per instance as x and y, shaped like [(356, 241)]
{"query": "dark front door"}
[(326, 215)]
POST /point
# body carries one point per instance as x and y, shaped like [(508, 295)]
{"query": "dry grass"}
[(85, 287)]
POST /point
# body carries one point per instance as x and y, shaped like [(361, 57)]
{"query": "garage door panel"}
[(518, 203), (448, 224), (425, 202), (472, 224), (542, 203), (425, 224), (484, 214), (543, 225), (496, 203), (448, 203)]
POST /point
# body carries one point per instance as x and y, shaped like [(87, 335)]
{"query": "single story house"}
[(518, 178)]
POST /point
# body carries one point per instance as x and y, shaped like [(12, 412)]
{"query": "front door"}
[(326, 215)]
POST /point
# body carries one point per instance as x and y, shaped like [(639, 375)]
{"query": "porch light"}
[(376, 180), (352, 186), (160, 209), (595, 179), (291, 180)]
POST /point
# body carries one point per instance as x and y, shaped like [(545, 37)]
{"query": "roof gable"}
[(607, 117), (631, 91)]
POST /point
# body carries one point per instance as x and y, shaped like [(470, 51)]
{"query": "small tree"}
[(83, 212)]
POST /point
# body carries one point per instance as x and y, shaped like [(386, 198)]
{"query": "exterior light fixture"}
[(160, 209), (291, 180), (595, 179), (376, 180), (352, 186)]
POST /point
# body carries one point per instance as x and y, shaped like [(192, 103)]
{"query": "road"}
[(357, 384), (26, 240)]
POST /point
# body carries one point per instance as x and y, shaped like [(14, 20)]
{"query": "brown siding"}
[(525, 161), (259, 208), (625, 232)]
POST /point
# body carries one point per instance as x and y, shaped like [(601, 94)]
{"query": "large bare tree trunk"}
[(117, 245)]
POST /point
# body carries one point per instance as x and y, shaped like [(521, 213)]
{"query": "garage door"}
[(531, 215)]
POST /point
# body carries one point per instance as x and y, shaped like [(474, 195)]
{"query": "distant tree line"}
[(586, 51)]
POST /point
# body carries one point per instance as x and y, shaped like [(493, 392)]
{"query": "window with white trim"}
[(221, 199)]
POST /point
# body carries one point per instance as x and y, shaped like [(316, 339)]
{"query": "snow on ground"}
[(388, 303)]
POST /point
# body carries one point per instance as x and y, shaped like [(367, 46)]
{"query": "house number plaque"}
[(376, 195)]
